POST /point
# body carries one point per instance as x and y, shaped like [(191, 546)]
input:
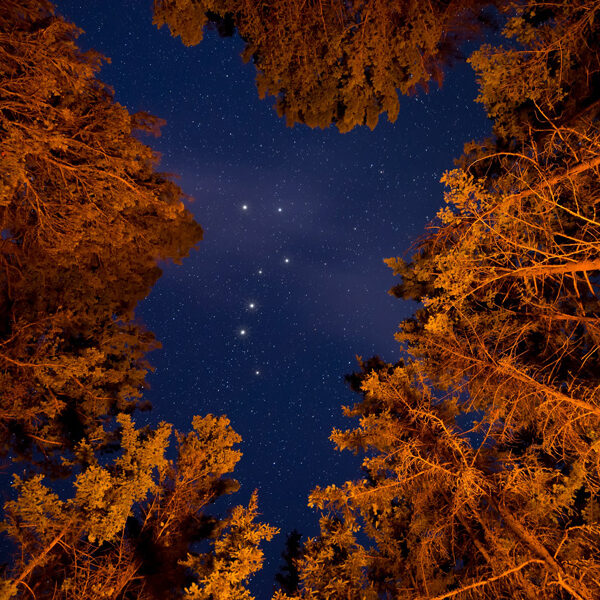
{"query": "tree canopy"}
[(480, 476), (128, 528), (481, 465), (332, 61), (85, 218)]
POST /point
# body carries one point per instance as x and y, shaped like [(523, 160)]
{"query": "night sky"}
[(288, 286)]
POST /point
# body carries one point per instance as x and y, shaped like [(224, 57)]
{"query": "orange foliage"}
[(330, 61)]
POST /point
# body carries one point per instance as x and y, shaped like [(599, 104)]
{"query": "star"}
[(251, 305), (286, 260), (260, 271), (257, 372), (279, 209), (243, 332), (244, 207)]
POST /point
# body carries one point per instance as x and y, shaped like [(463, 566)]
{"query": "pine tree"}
[(331, 61), (288, 576), (481, 473), (129, 529), (85, 217)]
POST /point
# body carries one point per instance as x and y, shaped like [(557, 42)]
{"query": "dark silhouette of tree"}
[(331, 61), (288, 577)]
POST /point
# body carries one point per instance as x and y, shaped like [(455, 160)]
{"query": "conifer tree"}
[(511, 306), (332, 61), (481, 472), (287, 577), (129, 528), (85, 217)]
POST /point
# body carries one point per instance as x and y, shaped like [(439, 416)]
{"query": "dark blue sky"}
[(299, 271)]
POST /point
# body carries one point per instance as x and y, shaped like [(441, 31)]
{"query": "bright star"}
[(279, 209), (257, 372), (244, 207), (251, 305), (242, 332), (286, 260)]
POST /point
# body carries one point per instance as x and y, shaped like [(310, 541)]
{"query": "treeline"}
[(481, 476)]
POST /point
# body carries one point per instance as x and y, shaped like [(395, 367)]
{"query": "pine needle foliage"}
[(85, 217), (481, 473), (332, 61), (130, 527)]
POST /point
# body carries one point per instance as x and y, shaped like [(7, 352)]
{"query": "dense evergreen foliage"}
[(334, 61), (85, 218), (481, 470)]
